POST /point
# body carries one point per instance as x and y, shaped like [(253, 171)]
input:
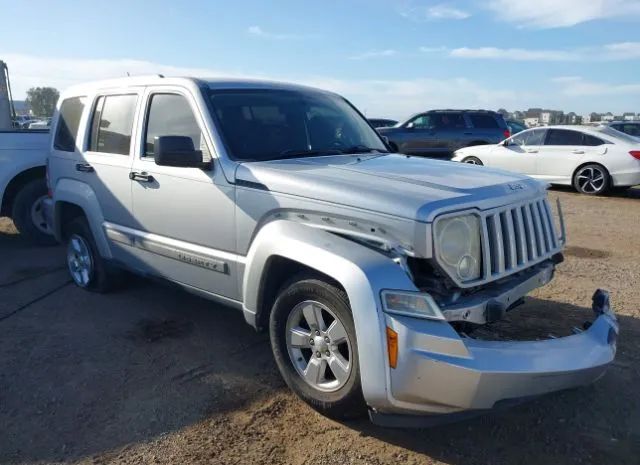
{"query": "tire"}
[(27, 213), (87, 268), (472, 161), (592, 179), (335, 391)]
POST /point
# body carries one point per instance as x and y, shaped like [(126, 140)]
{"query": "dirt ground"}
[(150, 374)]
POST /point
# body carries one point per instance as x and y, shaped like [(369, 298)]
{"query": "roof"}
[(187, 81)]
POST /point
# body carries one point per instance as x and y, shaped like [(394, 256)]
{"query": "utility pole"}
[(6, 105)]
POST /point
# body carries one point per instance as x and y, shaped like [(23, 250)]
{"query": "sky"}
[(391, 58)]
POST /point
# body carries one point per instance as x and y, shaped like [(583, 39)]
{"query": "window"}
[(421, 122), (483, 120), (68, 123), (563, 137), (259, 124), (631, 129), (447, 120), (171, 115), (112, 124), (534, 137), (591, 140)]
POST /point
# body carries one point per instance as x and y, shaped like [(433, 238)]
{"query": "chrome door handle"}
[(84, 167), (531, 151), (142, 177), (577, 151)]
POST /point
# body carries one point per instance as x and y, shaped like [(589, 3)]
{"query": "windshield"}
[(269, 124)]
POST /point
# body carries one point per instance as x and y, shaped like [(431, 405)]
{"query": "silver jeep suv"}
[(370, 270)]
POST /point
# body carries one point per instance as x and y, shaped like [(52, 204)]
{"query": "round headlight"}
[(457, 244)]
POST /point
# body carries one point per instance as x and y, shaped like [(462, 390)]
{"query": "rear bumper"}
[(439, 372), (626, 178)]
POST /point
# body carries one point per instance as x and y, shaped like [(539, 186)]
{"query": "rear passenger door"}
[(107, 156), (185, 228), (563, 151)]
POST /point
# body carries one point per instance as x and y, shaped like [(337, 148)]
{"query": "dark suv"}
[(442, 132)]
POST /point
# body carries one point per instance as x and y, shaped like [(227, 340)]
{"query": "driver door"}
[(184, 216), (519, 153), (419, 136)]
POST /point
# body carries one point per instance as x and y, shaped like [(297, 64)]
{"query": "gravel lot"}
[(150, 374)]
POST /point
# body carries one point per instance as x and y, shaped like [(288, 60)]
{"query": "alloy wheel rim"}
[(591, 179), (471, 161), (37, 216), (319, 346), (79, 260)]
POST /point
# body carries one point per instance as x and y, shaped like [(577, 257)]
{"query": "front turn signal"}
[(392, 347)]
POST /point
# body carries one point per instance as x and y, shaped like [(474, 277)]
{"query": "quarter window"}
[(591, 140), (112, 124), (68, 123), (171, 115)]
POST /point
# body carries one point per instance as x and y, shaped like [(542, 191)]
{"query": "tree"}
[(42, 100)]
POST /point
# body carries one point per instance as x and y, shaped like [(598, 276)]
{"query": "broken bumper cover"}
[(439, 372)]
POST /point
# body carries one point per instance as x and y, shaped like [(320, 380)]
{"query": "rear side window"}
[(563, 137), (447, 120), (171, 115), (112, 124), (68, 123), (483, 121), (631, 129)]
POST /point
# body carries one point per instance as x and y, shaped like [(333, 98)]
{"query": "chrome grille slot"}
[(517, 237)]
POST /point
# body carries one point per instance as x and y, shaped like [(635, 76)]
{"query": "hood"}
[(408, 187)]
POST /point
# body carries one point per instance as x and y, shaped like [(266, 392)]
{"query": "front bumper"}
[(440, 372)]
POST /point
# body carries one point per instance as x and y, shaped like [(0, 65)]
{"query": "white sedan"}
[(592, 160)]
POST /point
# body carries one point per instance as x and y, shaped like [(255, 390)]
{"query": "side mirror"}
[(177, 151)]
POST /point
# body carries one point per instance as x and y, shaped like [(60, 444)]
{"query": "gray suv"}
[(442, 132), (367, 269)]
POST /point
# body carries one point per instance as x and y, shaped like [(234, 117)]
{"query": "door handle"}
[(577, 151), (84, 167), (531, 151), (142, 177)]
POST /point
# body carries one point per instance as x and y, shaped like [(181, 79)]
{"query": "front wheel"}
[(472, 161), (592, 179), (314, 344)]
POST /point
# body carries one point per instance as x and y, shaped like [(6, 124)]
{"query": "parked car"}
[(592, 160), (631, 128), (23, 187), (23, 121), (43, 123), (515, 126), (368, 269), (382, 123), (442, 132)]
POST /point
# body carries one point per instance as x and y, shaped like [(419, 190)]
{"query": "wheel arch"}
[(16, 183), (582, 164), (73, 198), (361, 271)]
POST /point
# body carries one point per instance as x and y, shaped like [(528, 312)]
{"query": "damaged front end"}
[(443, 372)]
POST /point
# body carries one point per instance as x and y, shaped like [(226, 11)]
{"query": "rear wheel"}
[(592, 179), (28, 214), (87, 268), (472, 161), (314, 345)]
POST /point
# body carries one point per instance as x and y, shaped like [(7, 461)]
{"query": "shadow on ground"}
[(83, 375)]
